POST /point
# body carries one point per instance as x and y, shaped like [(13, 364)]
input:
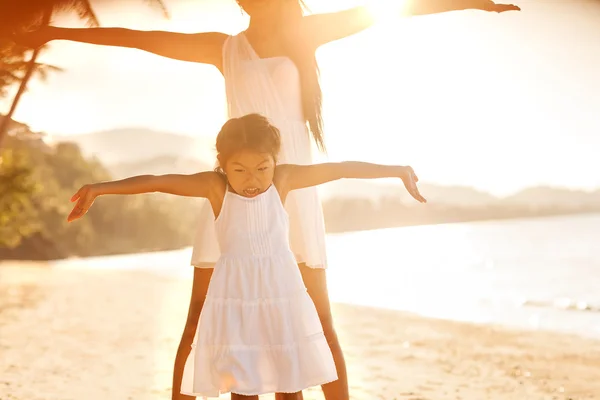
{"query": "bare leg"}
[(316, 285), (200, 287), (289, 396)]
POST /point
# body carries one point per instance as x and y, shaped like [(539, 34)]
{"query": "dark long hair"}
[(302, 53)]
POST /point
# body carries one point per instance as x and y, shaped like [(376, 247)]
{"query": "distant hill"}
[(134, 151), (157, 166), (128, 145), (374, 190), (464, 196), (548, 196)]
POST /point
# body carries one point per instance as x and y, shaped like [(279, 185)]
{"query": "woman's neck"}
[(261, 29)]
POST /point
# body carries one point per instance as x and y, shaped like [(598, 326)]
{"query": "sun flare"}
[(386, 10)]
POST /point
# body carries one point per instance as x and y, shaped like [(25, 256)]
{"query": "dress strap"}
[(223, 203), (248, 82), (227, 187)]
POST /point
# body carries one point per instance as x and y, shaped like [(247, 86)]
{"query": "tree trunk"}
[(5, 123)]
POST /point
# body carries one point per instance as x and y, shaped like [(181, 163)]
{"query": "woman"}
[(269, 69)]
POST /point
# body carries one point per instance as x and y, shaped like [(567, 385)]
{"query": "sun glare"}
[(386, 10)]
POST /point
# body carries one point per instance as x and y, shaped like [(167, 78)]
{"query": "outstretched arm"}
[(425, 7), (328, 27), (302, 176), (203, 184), (195, 47)]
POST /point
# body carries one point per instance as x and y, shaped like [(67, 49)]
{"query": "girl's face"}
[(249, 172)]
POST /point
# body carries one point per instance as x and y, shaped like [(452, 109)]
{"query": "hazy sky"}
[(498, 102)]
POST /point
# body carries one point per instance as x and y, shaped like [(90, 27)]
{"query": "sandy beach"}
[(69, 333)]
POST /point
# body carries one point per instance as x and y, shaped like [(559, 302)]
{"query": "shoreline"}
[(475, 220), (72, 333), (72, 265), (491, 324), (337, 232)]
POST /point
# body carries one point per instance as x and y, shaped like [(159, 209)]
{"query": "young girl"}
[(259, 331)]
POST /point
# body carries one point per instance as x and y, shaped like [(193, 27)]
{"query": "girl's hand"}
[(410, 180), (85, 198)]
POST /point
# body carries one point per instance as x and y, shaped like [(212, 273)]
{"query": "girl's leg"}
[(235, 396), (289, 396), (199, 289), (316, 285)]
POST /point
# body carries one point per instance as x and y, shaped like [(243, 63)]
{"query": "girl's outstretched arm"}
[(328, 27), (301, 176), (203, 184)]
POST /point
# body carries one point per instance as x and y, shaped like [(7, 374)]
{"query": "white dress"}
[(259, 331), (271, 87)]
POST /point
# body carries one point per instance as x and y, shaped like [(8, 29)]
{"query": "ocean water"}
[(533, 274)]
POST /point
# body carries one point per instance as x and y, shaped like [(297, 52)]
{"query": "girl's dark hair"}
[(250, 132), (302, 53)]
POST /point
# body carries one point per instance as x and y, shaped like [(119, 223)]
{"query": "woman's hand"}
[(410, 179), (489, 5), (85, 198), (427, 7)]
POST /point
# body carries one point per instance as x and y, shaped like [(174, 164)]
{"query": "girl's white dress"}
[(271, 87), (259, 331)]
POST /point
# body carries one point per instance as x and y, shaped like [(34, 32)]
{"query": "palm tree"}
[(13, 66), (35, 14), (38, 13)]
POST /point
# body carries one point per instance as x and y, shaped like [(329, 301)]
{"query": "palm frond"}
[(82, 8), (13, 72), (7, 77), (43, 70), (30, 14)]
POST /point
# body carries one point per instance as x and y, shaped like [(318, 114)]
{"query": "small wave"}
[(563, 303)]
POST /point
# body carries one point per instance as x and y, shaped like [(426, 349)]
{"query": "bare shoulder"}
[(283, 177), (214, 40), (303, 33), (216, 181), (283, 168), (283, 173), (322, 28), (209, 184), (211, 44), (218, 187), (203, 47)]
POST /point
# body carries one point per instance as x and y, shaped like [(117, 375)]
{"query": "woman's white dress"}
[(271, 87), (259, 331)]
